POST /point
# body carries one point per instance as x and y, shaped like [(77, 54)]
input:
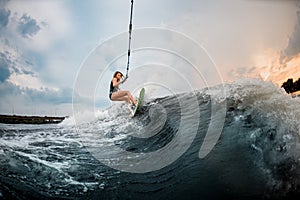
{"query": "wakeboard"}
[(140, 101)]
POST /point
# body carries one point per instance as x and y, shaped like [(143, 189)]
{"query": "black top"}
[(112, 89)]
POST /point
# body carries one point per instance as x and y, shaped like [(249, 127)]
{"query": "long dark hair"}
[(115, 74)]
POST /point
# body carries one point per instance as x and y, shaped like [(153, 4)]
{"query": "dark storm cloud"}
[(293, 47), (7, 88), (50, 96), (33, 96), (27, 26), (5, 64), (4, 17), (11, 64)]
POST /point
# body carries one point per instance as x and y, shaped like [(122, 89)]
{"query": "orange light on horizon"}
[(270, 67)]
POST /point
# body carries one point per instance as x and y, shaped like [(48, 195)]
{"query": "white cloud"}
[(30, 41), (20, 68), (52, 16), (29, 81), (235, 31)]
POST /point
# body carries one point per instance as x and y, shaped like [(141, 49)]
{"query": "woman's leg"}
[(123, 96), (132, 99)]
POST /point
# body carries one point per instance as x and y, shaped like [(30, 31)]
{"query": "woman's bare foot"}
[(135, 102)]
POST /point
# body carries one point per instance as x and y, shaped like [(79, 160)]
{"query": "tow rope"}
[(129, 43)]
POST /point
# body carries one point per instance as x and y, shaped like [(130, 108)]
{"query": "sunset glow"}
[(270, 67)]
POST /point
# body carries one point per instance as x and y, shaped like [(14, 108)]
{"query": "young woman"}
[(115, 94)]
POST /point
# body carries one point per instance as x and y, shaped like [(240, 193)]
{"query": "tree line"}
[(291, 86)]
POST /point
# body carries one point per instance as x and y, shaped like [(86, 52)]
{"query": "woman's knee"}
[(127, 93)]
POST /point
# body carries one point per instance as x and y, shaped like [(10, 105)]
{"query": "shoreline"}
[(19, 119)]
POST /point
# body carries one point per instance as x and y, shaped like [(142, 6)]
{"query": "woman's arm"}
[(116, 83)]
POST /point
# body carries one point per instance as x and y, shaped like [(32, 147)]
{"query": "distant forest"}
[(291, 86)]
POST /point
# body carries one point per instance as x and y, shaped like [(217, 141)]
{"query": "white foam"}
[(267, 98), (54, 165)]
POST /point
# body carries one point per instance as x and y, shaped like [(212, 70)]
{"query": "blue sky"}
[(44, 44)]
